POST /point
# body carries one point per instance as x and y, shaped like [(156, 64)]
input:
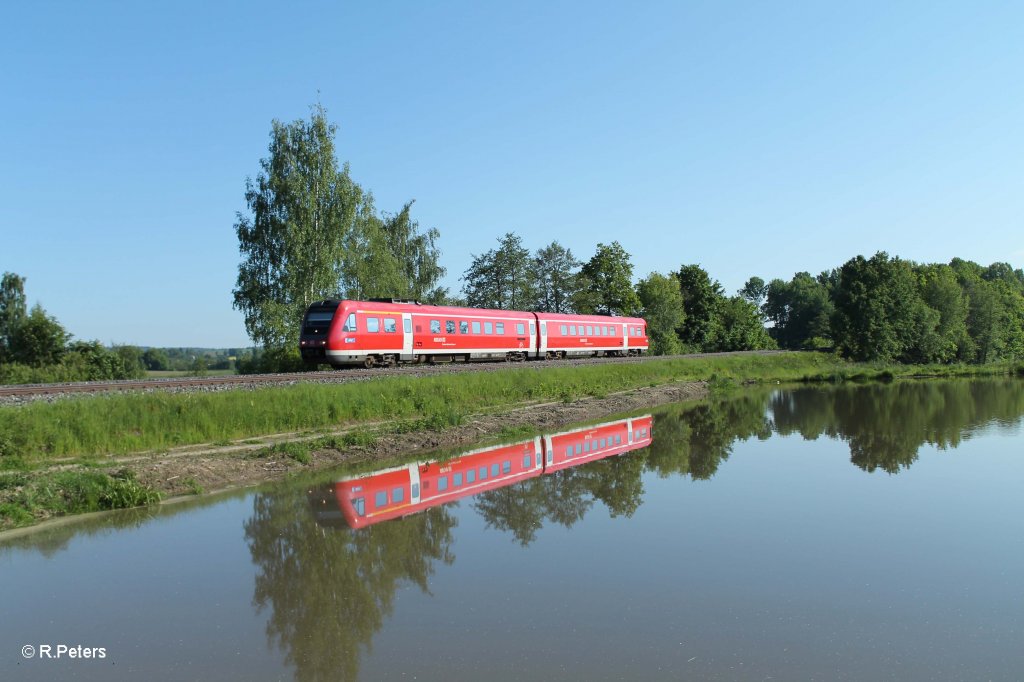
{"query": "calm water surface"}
[(858, 533)]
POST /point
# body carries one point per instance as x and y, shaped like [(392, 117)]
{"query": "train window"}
[(457, 479), (483, 473), (572, 330), (476, 327), (381, 499), (526, 461), (590, 330), (506, 466), (373, 324), (568, 451), (630, 436), (533, 329), (463, 327), (360, 506), (579, 448), (520, 328), (471, 476), (563, 329), (500, 328), (488, 327), (442, 483), (586, 446), (449, 327), (494, 470), (350, 323), (618, 439), (415, 489), (407, 325), (435, 326), (398, 494), (390, 325)]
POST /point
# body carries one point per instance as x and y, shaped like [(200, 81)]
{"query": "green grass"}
[(38, 433), (26, 499)]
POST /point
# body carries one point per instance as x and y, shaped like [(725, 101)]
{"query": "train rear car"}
[(588, 444), (564, 335)]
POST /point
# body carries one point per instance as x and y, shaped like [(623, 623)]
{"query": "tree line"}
[(892, 310)]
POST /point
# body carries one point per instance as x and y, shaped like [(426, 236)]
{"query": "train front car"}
[(566, 336), (400, 491), (314, 339), (386, 332), (366, 333)]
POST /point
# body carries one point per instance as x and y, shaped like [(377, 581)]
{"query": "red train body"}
[(388, 332), (400, 491)]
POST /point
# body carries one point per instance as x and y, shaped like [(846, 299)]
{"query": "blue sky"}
[(752, 138)]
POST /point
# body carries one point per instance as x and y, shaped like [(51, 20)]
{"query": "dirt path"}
[(215, 468)]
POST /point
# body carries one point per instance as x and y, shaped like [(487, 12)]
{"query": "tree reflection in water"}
[(886, 425), (329, 590)]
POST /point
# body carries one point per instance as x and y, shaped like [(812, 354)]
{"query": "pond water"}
[(857, 532)]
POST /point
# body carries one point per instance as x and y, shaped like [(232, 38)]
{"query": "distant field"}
[(170, 374)]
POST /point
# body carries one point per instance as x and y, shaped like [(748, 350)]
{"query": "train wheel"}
[(369, 362)]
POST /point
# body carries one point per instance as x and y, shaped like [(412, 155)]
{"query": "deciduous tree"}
[(12, 309), (701, 297), (39, 340), (501, 278), (661, 304), (609, 276), (556, 279), (294, 245)]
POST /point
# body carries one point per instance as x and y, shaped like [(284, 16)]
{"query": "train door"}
[(625, 337), (533, 339), (407, 337), (543, 339), (629, 431), (414, 483)]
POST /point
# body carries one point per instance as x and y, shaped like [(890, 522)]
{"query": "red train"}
[(399, 491), (390, 331)]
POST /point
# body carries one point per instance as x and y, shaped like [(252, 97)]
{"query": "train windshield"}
[(318, 318)]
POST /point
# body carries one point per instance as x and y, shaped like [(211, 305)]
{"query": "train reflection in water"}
[(399, 491)]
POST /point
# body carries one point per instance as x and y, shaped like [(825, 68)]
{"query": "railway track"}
[(28, 392)]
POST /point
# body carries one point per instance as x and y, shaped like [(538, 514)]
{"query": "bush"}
[(272, 360)]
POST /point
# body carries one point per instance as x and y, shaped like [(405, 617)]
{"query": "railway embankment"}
[(123, 450)]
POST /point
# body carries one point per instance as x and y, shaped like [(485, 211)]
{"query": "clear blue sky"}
[(753, 138)]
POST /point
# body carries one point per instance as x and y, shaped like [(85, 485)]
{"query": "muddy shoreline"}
[(215, 470)]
